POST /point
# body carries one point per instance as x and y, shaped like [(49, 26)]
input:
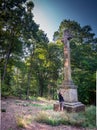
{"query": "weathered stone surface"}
[(74, 107), (70, 95), (68, 84)]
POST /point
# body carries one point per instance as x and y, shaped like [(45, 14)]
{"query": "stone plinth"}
[(74, 107), (71, 103)]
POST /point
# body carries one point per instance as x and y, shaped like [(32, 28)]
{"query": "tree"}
[(40, 61), (10, 30), (17, 30), (54, 65), (30, 38)]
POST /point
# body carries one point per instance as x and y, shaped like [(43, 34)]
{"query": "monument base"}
[(71, 103), (74, 107)]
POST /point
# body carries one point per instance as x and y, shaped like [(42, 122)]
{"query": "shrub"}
[(22, 121), (90, 117), (76, 119), (41, 117), (82, 119), (50, 118), (32, 98)]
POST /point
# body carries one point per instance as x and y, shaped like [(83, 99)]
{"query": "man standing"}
[(61, 101)]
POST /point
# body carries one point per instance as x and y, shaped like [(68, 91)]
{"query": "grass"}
[(23, 121), (47, 107), (51, 118), (82, 119), (17, 101), (20, 122), (42, 99), (46, 115), (43, 106), (35, 105), (33, 98)]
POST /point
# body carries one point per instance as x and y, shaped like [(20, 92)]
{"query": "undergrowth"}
[(82, 119), (23, 121)]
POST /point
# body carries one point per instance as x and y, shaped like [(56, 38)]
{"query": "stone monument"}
[(68, 88)]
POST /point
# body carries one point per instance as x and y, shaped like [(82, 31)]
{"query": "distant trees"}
[(18, 34)]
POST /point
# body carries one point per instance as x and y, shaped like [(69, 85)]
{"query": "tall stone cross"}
[(67, 66), (68, 89), (67, 83)]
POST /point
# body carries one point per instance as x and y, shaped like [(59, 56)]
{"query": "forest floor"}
[(15, 107)]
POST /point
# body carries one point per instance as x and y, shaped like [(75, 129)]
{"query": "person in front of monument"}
[(61, 101)]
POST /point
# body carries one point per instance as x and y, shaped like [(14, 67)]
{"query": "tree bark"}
[(6, 62), (41, 85), (29, 77)]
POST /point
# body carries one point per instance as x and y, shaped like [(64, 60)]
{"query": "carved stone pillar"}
[(68, 88)]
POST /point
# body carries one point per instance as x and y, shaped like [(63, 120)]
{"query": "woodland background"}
[(31, 66)]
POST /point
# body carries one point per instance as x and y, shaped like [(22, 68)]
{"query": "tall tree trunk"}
[(41, 86), (29, 77), (28, 83), (6, 61)]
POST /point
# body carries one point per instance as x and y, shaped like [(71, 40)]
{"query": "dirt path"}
[(18, 107)]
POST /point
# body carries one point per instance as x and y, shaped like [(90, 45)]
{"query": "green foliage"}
[(83, 119), (43, 107), (90, 117), (33, 98), (42, 117), (47, 107), (36, 105), (5, 90)]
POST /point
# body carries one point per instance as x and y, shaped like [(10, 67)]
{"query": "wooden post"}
[(56, 107)]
